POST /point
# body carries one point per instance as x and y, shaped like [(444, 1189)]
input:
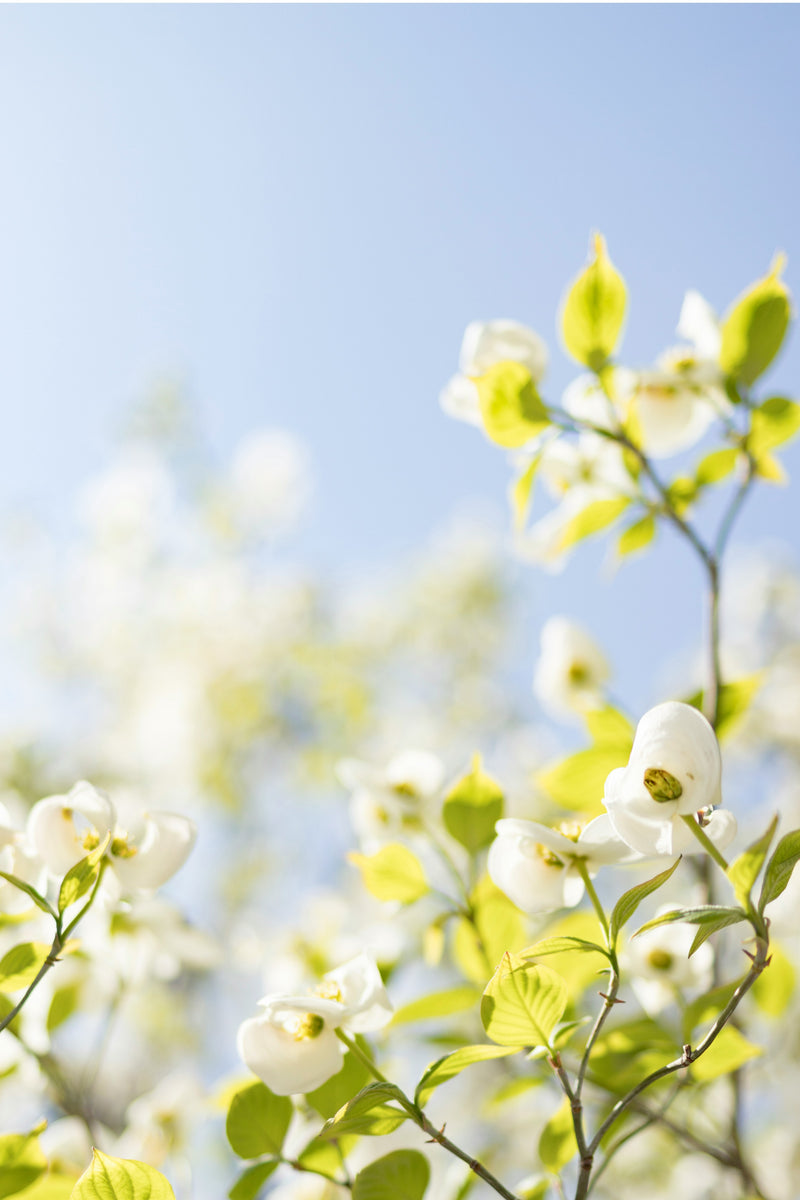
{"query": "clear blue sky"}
[(297, 210)]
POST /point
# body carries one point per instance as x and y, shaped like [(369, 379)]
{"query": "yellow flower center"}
[(328, 989), (578, 674), (570, 829), (660, 960), (306, 1027), (121, 849), (661, 785)]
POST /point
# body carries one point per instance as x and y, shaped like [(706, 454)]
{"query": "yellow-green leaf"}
[(21, 1161), (20, 966), (744, 870), (511, 409), (521, 492), (109, 1178), (472, 807), (392, 873), (716, 466), (257, 1121), (594, 310), (402, 1175), (779, 868), (250, 1183), (772, 424), (438, 1004), (522, 1003), (577, 783), (557, 1143), (453, 1064), (774, 987), (729, 1051), (754, 328), (609, 727), (594, 518), (370, 1112), (637, 536)]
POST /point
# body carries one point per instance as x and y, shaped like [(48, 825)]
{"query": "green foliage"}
[(774, 988), (716, 466), (637, 536), (251, 1181), (729, 1051), (453, 1064), (472, 807), (81, 878), (559, 945), (20, 966), (706, 1008), (609, 727), (577, 783), (63, 1005), (37, 898), (522, 1003), (629, 901), (779, 869), (594, 311), (710, 918), (21, 1161), (257, 1121), (773, 423), (109, 1178), (623, 1055), (497, 925), (402, 1175), (578, 971), (557, 1143), (336, 1091), (437, 1004), (594, 518), (521, 492), (511, 408), (744, 871), (754, 328), (734, 700), (392, 873), (370, 1112), (320, 1155)]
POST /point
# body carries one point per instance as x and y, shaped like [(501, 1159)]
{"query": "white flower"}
[(674, 770), (485, 344), (292, 1047), (17, 858), (658, 961), (537, 868), (144, 852), (384, 800), (571, 669), (270, 481)]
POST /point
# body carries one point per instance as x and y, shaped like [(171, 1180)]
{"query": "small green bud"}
[(661, 785)]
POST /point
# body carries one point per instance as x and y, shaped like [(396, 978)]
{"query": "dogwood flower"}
[(384, 800), (537, 867), (674, 770), (292, 1046), (145, 849), (571, 669), (659, 965), (485, 344), (17, 858)]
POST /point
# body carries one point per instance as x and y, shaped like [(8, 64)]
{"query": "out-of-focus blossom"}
[(385, 801), (571, 669), (269, 482), (660, 968), (485, 344)]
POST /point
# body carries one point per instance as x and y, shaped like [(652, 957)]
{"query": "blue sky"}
[(296, 210)]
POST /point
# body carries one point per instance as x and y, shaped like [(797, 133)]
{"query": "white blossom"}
[(537, 867), (292, 1046), (659, 965), (674, 770), (571, 669), (385, 800), (485, 344)]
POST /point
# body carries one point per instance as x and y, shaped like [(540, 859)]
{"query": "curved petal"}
[(459, 398), (58, 825), (672, 417), (676, 737), (489, 342), (642, 823), (286, 1064), (167, 843), (416, 770), (699, 324), (363, 994), (531, 883), (603, 845)]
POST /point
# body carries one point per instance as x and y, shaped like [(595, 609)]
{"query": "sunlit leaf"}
[(453, 1064), (594, 310), (392, 873), (523, 1003)]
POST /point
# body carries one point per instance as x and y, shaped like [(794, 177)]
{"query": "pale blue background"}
[(296, 210)]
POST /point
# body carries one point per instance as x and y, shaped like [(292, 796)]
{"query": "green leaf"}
[(778, 872), (706, 1008), (754, 328), (53, 1185), (625, 1054), (249, 1184), (320, 1155), (521, 492), (637, 536), (109, 1178), (594, 518), (511, 408), (257, 1121), (772, 424), (774, 988), (629, 901), (716, 466), (21, 1161), (522, 1003), (402, 1175), (594, 311), (472, 807), (20, 966), (497, 925), (729, 1051), (393, 873), (438, 1004), (64, 1003), (336, 1091), (744, 871), (557, 1143), (709, 927), (81, 878), (706, 914), (558, 945), (609, 727), (367, 1113), (577, 783), (734, 700), (453, 1064), (37, 898)]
